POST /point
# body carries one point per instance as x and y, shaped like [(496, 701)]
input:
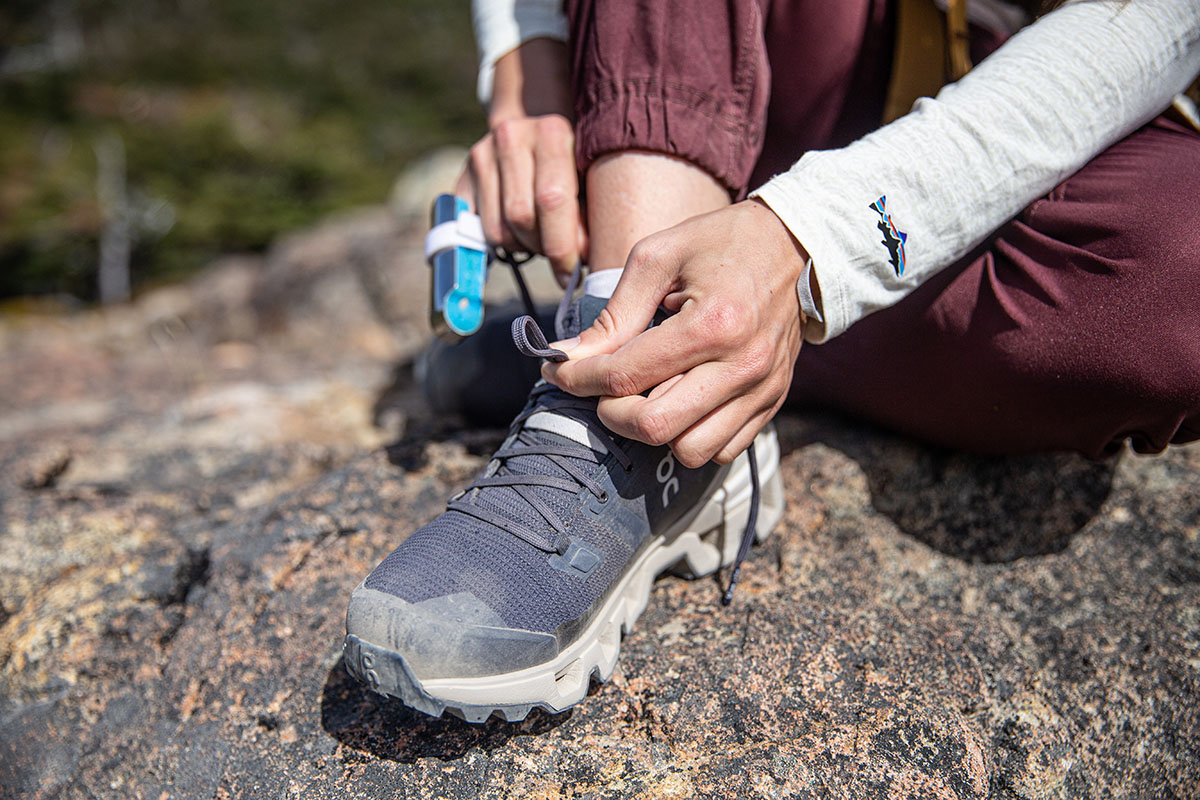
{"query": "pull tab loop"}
[(528, 337)]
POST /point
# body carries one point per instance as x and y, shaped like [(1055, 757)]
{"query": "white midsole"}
[(705, 540)]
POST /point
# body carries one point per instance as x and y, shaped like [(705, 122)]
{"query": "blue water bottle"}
[(457, 254)]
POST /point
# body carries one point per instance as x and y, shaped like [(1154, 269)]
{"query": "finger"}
[(642, 363), (666, 413), (564, 278), (514, 154), (464, 187), (585, 243), (699, 333), (486, 180), (743, 438), (648, 276), (556, 193), (665, 386), (723, 433)]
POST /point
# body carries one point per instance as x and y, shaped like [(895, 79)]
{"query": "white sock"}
[(602, 283)]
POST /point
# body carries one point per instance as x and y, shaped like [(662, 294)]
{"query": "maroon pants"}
[(1076, 326)]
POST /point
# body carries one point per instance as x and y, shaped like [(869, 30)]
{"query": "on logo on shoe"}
[(665, 473)]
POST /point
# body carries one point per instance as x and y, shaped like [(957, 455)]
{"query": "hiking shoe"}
[(517, 595), (483, 379)]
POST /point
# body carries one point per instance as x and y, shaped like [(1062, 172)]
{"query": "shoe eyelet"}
[(603, 497)]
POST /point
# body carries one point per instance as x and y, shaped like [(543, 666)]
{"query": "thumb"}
[(644, 283)]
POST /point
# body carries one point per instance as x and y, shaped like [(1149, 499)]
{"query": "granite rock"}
[(192, 484)]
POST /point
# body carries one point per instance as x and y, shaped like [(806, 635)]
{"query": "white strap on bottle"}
[(464, 231)]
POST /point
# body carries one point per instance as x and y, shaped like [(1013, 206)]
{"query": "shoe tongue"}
[(568, 428), (576, 317), (579, 315), (551, 427)]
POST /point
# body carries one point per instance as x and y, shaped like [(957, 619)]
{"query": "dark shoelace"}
[(531, 341), (544, 398)]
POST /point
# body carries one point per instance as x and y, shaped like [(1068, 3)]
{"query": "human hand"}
[(520, 177), (720, 367)]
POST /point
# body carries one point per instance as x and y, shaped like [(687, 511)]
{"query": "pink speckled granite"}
[(192, 486)]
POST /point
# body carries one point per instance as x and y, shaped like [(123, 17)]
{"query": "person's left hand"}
[(720, 368)]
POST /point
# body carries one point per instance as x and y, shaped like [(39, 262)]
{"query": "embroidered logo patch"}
[(893, 237)]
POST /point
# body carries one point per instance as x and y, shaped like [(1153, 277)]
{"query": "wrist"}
[(799, 266), (532, 80), (790, 255)]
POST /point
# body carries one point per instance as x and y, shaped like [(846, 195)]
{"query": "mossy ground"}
[(238, 121)]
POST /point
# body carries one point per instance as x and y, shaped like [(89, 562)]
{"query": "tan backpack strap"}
[(958, 40), (1189, 114), (932, 49), (919, 58)]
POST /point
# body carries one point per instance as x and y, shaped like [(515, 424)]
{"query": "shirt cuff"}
[(804, 293), (503, 25)]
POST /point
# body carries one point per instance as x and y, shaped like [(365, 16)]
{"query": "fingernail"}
[(566, 345)]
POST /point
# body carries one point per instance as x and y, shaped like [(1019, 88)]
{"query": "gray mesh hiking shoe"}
[(518, 594)]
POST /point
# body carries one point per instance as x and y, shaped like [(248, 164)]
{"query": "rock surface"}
[(192, 485)]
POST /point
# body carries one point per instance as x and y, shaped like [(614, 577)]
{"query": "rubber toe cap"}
[(456, 636)]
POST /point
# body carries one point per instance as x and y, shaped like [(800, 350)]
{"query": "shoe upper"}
[(521, 559)]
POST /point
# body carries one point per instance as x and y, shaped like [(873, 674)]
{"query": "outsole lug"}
[(516, 713), (477, 715)]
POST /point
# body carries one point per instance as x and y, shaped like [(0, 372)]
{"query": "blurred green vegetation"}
[(239, 120)]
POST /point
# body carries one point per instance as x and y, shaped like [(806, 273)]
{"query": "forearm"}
[(501, 26), (962, 164), (530, 81)]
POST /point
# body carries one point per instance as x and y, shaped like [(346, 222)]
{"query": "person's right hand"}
[(521, 176)]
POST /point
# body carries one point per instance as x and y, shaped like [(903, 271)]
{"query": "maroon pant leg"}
[(830, 63), (1076, 327), (693, 78)]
